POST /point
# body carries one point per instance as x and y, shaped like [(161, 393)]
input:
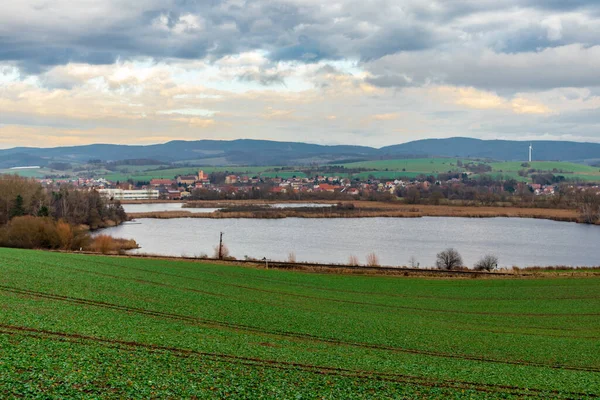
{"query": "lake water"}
[(159, 207), (516, 241)]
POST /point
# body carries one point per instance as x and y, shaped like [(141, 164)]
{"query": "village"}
[(233, 186)]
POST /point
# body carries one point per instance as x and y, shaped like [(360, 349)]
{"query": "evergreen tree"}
[(17, 210), (43, 212)]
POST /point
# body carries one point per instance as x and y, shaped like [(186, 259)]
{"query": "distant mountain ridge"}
[(264, 152)]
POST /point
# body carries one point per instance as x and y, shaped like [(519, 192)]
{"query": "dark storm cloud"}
[(399, 42)]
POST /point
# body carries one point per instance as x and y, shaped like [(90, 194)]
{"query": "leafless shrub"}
[(291, 257), (449, 259), (224, 253), (353, 261), (372, 260), (487, 263), (106, 244), (413, 262)]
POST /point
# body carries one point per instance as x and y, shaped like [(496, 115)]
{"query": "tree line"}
[(32, 216)]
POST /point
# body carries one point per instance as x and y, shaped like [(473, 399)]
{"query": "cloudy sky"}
[(364, 72)]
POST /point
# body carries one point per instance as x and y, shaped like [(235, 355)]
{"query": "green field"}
[(80, 326), (419, 165), (29, 173), (546, 166), (410, 168), (171, 173)]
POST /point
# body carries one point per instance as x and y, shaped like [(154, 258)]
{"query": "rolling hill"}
[(263, 152)]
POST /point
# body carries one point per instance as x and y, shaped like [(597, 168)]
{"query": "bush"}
[(291, 257), (449, 259), (372, 260), (31, 233), (224, 252), (413, 262), (108, 245), (487, 263)]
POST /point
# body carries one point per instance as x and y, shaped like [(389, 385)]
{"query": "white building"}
[(120, 194)]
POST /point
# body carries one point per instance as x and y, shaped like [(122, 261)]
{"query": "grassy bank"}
[(364, 209), (92, 326)]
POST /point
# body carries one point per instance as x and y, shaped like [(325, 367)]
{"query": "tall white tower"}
[(530, 149)]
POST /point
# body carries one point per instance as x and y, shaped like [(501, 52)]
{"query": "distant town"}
[(218, 185)]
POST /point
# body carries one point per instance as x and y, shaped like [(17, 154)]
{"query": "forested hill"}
[(262, 152), (509, 150)]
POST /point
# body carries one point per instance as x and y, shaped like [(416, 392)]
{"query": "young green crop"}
[(77, 325)]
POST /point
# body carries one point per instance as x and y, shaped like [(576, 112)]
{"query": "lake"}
[(516, 241), (159, 207)]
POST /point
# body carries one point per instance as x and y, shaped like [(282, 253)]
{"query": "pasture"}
[(75, 326)]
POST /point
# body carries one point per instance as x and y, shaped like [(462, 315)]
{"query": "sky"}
[(362, 72)]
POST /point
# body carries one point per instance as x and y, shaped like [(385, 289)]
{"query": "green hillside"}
[(420, 165), (78, 326), (410, 168)]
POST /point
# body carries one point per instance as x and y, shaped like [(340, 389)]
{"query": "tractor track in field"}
[(398, 307), (293, 335), (287, 366), (393, 295), (270, 291), (186, 289)]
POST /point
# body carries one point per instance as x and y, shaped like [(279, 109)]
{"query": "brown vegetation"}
[(26, 197), (108, 245), (223, 252), (291, 257), (372, 260), (353, 261), (29, 232), (366, 209)]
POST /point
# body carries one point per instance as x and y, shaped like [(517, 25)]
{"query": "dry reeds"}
[(365, 209), (106, 244)]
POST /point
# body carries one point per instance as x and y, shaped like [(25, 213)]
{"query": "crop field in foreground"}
[(80, 326)]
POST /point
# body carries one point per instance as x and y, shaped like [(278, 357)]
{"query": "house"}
[(186, 179), (173, 194), (120, 194), (325, 187), (231, 179), (161, 182)]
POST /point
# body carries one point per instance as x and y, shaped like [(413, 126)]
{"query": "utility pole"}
[(221, 246)]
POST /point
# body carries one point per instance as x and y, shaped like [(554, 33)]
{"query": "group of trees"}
[(25, 197), (450, 259), (35, 217)]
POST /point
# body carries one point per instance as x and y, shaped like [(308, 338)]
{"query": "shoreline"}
[(383, 270), (366, 209)]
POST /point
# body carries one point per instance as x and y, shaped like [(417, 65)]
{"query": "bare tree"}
[(413, 262), (487, 263), (353, 261), (291, 257), (449, 259), (372, 260), (589, 206)]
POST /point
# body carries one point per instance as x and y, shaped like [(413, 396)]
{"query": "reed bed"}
[(374, 210)]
